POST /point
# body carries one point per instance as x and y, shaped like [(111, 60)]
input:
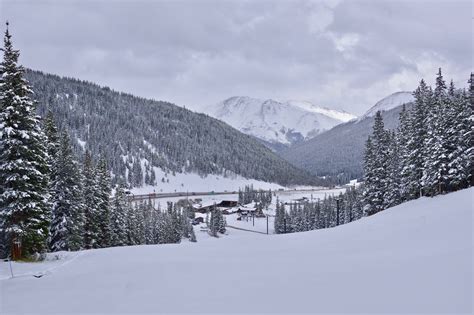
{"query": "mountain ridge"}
[(274, 122), (137, 135), (338, 152)]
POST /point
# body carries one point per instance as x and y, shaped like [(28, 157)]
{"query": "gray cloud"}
[(335, 53)]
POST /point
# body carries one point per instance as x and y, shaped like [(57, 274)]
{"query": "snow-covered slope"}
[(413, 258), (389, 102), (276, 122)]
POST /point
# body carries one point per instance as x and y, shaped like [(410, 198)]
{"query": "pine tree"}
[(222, 223), (214, 222), (416, 151), (192, 235), (24, 208), (118, 217), (67, 212), (103, 181), (392, 197), (460, 141), (91, 202), (436, 161), (52, 136)]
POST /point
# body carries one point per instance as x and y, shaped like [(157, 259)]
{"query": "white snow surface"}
[(387, 103), (413, 258), (276, 122), (182, 182)]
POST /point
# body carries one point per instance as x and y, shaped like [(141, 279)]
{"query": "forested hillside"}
[(338, 152), (135, 134)]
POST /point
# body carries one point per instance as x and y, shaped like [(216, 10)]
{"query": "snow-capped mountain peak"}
[(276, 122), (387, 103)]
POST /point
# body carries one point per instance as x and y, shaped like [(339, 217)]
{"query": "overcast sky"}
[(338, 54)]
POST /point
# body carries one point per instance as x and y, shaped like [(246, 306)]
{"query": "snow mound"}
[(413, 258)]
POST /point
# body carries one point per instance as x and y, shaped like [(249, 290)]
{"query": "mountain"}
[(275, 123), (340, 150), (387, 103), (138, 135)]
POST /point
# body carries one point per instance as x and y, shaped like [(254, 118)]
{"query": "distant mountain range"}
[(278, 124), (339, 151)]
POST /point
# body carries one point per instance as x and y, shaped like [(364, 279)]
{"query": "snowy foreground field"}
[(414, 258)]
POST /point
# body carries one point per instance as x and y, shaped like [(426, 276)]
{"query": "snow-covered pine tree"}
[(214, 222), (460, 140), (392, 196), (52, 136), (436, 159), (413, 163), (277, 224), (222, 223), (24, 207), (403, 138), (67, 222), (376, 166), (370, 188), (91, 202), (103, 180), (118, 215)]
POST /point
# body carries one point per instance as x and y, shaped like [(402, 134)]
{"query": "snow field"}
[(412, 258)]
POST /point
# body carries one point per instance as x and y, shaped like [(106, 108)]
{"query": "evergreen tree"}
[(118, 217), (393, 194), (24, 208), (416, 151), (52, 136), (91, 202), (460, 141), (435, 166), (103, 180), (67, 212), (370, 188)]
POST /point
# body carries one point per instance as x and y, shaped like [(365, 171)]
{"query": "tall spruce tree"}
[(435, 176), (24, 210), (91, 202), (118, 217), (103, 207), (68, 209), (376, 165)]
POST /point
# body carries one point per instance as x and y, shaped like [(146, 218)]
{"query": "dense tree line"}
[(248, 195), (312, 215), (48, 200), (430, 153)]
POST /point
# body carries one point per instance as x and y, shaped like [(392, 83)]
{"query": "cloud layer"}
[(339, 54)]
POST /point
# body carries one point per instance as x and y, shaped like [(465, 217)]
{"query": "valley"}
[(236, 157)]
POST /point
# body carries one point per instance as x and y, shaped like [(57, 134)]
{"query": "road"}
[(179, 194), (195, 194)]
